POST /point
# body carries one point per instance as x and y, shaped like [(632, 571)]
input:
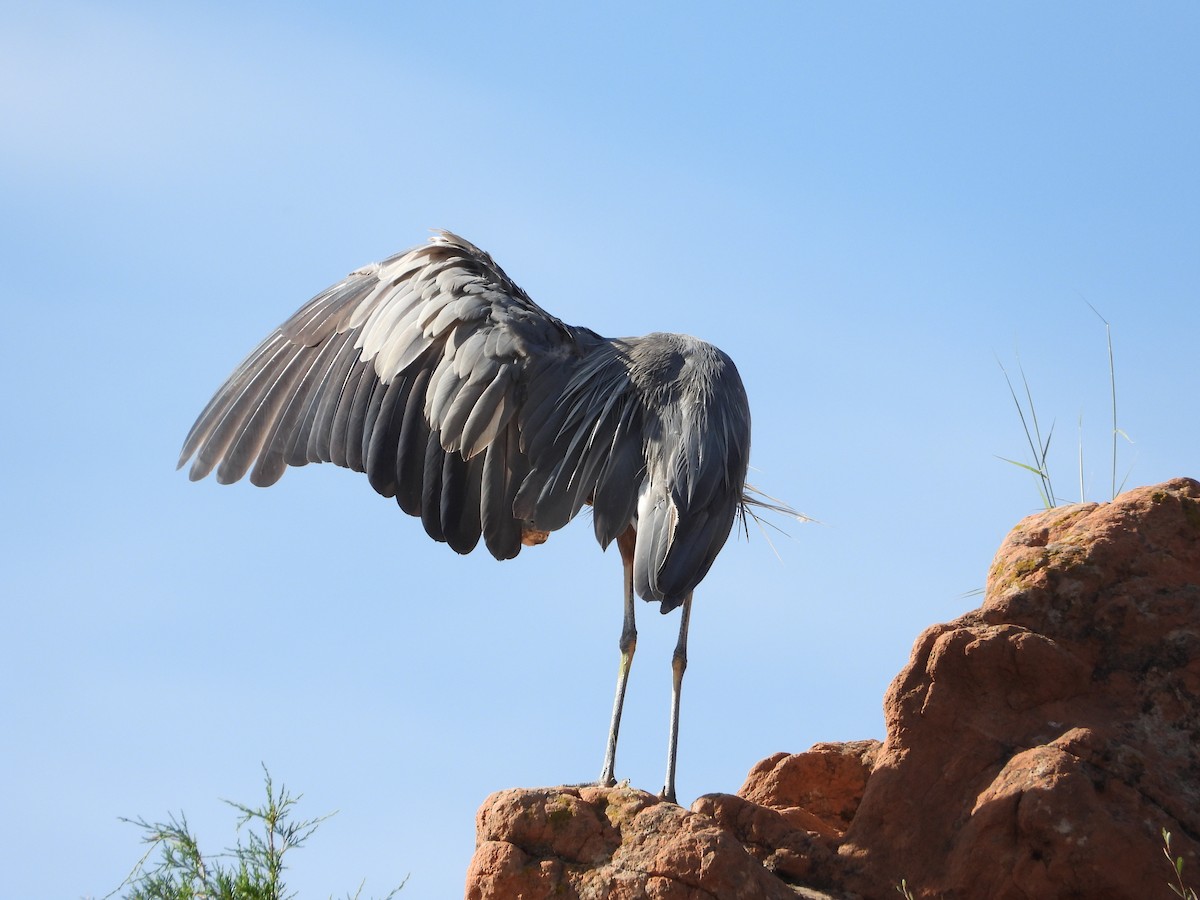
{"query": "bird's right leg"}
[(628, 643)]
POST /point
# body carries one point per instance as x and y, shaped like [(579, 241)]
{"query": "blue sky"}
[(865, 205)]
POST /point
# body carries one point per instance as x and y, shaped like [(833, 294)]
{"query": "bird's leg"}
[(628, 643), (678, 665)]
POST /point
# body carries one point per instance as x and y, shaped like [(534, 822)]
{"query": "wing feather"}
[(345, 442), (504, 468), (411, 441), (457, 409), (328, 397), (461, 497), (570, 424), (444, 386), (614, 502), (272, 455), (253, 428), (251, 412), (254, 375), (490, 413), (383, 435), (327, 312), (308, 396), (431, 488)]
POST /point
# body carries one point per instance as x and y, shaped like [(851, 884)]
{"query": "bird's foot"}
[(602, 783)]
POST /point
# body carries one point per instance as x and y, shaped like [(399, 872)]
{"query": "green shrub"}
[(251, 870)]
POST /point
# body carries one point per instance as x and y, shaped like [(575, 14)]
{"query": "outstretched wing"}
[(437, 376)]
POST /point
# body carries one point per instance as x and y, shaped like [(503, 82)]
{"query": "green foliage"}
[(1178, 888), (252, 870)]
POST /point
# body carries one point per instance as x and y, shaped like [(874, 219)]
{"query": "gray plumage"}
[(487, 417)]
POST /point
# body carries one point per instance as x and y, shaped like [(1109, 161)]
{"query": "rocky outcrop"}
[(617, 843), (1036, 747)]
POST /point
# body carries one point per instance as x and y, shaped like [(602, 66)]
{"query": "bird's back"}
[(696, 440)]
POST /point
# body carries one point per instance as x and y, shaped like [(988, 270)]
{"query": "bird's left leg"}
[(678, 665), (628, 643)]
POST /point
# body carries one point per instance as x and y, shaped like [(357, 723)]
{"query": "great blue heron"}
[(437, 376)]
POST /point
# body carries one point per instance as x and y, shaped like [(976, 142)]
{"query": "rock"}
[(792, 853), (818, 790), (616, 843), (1036, 747)]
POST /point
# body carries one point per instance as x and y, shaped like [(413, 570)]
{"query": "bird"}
[(488, 418)]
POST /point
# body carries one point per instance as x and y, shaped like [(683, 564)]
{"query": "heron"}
[(487, 417)]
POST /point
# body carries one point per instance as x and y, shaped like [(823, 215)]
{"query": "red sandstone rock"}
[(818, 790), (613, 843), (791, 852), (1036, 747)]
